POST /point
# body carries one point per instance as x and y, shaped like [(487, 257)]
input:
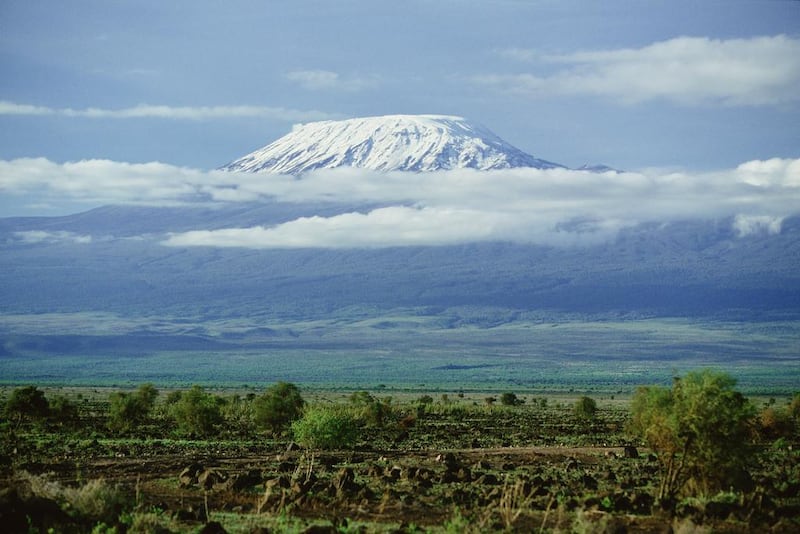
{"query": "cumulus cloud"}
[(555, 206), (688, 70), (146, 111), (324, 80)]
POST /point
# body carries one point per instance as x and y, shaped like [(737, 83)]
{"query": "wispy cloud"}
[(556, 207), (42, 236), (759, 71), (325, 80), (146, 111)]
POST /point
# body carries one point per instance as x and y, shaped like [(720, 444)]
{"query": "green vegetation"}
[(700, 430), (323, 427), (585, 409), (197, 413), (27, 403), (430, 350), (510, 399), (130, 410), (278, 407), (369, 462)]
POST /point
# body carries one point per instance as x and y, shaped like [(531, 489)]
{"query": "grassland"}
[(407, 349)]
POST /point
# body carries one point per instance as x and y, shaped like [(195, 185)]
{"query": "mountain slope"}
[(417, 143)]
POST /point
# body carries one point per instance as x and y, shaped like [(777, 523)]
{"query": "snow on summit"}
[(416, 143)]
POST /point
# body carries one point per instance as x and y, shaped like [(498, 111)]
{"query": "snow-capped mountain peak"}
[(416, 143)]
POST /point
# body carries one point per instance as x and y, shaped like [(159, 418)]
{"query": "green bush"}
[(585, 409), (63, 411), (197, 413), (326, 428), (278, 407), (27, 403), (372, 410), (700, 430), (129, 410), (510, 399)]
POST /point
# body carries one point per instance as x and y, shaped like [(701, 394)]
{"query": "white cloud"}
[(746, 225), (146, 111), (556, 206), (324, 80), (687, 70), (11, 108), (41, 236)]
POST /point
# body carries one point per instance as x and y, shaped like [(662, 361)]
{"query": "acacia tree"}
[(27, 403), (700, 430), (278, 406)]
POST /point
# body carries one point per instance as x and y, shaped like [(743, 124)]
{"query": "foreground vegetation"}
[(697, 456)]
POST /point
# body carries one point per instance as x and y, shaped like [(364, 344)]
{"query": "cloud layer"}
[(557, 207), (145, 111), (687, 70)]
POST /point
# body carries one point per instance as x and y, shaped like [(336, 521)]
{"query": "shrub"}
[(63, 411), (372, 410), (27, 403), (776, 423), (278, 407), (425, 399), (700, 430), (129, 410), (585, 409), (326, 428), (197, 412), (93, 501), (510, 399), (794, 407)]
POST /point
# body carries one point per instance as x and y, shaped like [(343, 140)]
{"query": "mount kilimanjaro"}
[(417, 143), (98, 293)]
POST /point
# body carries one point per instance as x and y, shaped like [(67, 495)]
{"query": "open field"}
[(408, 349)]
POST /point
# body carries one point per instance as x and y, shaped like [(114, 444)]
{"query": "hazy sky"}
[(135, 101)]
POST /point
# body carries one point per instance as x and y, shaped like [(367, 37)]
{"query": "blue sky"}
[(698, 86)]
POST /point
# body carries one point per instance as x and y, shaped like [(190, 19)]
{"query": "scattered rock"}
[(630, 452), (345, 481), (488, 480), (188, 476), (24, 513), (210, 478)]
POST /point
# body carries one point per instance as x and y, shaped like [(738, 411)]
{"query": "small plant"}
[(326, 428), (514, 500)]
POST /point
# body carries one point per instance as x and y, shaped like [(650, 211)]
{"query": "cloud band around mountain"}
[(554, 207)]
